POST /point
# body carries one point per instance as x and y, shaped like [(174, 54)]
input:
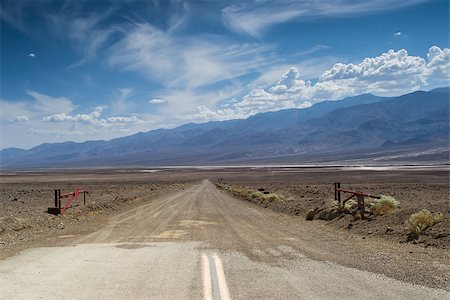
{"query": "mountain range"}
[(412, 128)]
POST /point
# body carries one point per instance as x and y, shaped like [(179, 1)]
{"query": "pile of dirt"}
[(316, 202)]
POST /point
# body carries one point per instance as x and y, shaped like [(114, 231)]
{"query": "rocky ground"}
[(23, 206), (299, 199), (25, 197)]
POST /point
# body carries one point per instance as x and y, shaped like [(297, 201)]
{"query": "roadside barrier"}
[(73, 195), (359, 197)]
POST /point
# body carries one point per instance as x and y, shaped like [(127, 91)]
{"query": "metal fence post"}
[(339, 192), (59, 199), (360, 200)]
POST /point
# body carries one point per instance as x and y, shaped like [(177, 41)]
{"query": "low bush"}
[(383, 205), (349, 204), (272, 197), (257, 195), (419, 221), (260, 194)]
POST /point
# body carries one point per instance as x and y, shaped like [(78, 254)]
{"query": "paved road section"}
[(199, 243)]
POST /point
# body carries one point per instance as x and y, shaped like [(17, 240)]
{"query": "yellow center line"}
[(223, 287), (207, 288)]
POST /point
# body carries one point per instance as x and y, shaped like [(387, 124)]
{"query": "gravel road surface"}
[(203, 243)]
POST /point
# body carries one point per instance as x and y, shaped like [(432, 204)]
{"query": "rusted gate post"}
[(360, 201), (59, 200), (57, 209), (337, 192)]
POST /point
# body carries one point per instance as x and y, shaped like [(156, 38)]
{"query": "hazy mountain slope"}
[(349, 125), (188, 135)]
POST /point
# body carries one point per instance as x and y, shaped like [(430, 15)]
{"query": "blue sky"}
[(87, 70)]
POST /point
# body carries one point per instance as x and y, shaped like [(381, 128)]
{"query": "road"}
[(199, 243)]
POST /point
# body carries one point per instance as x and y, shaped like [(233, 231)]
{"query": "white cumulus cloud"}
[(391, 73), (92, 118), (87, 118), (438, 65), (34, 108), (123, 120), (157, 101), (20, 119)]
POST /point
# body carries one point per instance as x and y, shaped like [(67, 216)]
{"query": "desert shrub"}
[(257, 194), (368, 202), (349, 204), (272, 197), (267, 196), (260, 194), (383, 205), (419, 221), (338, 205), (240, 192)]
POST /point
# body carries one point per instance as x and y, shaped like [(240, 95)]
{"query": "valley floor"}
[(171, 219)]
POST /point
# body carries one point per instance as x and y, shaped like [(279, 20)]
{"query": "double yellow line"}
[(214, 282)]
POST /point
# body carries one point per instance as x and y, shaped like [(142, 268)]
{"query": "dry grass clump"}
[(380, 206), (268, 196), (349, 204), (383, 205), (419, 221), (255, 195)]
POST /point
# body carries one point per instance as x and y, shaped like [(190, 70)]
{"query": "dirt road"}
[(202, 243)]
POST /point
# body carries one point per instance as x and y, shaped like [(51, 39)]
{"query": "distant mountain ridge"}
[(354, 128)]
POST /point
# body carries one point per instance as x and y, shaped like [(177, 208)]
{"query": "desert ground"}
[(163, 227)]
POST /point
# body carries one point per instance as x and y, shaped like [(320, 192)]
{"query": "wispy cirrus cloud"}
[(68, 20), (186, 61), (121, 102), (55, 132), (39, 104), (253, 18), (87, 32)]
